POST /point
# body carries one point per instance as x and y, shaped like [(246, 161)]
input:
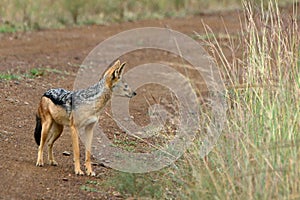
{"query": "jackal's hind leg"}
[(55, 132), (46, 125)]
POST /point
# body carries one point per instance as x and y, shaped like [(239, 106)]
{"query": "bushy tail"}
[(38, 130)]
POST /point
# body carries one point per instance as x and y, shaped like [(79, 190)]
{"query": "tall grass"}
[(257, 157), (29, 14)]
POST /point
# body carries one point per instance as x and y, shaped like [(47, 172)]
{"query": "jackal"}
[(78, 109)]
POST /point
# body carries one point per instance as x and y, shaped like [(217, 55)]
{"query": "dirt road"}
[(61, 52)]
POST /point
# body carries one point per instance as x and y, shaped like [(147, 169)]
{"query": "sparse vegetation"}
[(7, 28), (37, 72), (257, 155), (28, 15), (9, 76), (32, 73), (91, 186), (141, 185)]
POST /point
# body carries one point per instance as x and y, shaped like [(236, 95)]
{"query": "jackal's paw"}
[(90, 173), (39, 163), (53, 162), (79, 172)]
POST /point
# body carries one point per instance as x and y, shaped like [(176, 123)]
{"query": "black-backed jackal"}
[(78, 109)]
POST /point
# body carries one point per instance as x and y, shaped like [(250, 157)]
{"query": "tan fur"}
[(55, 117)]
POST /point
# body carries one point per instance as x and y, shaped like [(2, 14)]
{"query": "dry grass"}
[(258, 154), (16, 15), (257, 157)]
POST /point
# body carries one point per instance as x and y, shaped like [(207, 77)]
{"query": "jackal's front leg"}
[(88, 164), (75, 142), (88, 146)]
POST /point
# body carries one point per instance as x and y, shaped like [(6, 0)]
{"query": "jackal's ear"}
[(121, 69), (112, 67), (118, 71)]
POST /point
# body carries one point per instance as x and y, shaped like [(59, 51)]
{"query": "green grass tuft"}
[(37, 72), (9, 76), (7, 28)]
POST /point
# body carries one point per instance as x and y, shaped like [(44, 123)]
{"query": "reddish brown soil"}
[(63, 50)]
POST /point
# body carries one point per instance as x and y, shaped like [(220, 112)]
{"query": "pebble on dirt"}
[(66, 153)]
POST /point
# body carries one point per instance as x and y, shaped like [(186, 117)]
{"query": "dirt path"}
[(61, 51)]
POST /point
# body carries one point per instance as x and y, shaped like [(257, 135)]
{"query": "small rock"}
[(9, 99), (100, 175), (117, 194), (102, 159), (66, 153), (102, 165), (26, 103), (65, 179), (117, 133)]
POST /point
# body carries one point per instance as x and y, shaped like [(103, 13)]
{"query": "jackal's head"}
[(114, 81)]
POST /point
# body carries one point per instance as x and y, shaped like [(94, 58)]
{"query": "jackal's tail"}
[(38, 129)]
